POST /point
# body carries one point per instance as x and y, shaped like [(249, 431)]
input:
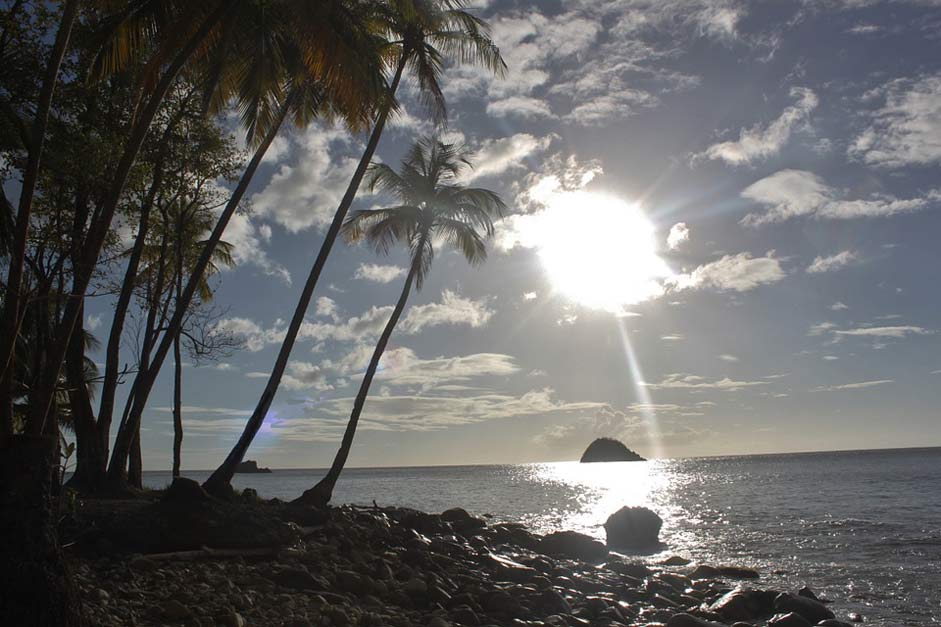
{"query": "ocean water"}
[(862, 528)]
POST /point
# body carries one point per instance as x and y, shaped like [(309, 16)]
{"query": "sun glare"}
[(599, 251)]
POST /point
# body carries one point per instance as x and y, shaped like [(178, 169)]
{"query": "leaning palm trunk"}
[(101, 225), (320, 494), (34, 143), (144, 381), (219, 481)]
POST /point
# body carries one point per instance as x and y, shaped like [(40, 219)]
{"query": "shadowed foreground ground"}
[(275, 564)]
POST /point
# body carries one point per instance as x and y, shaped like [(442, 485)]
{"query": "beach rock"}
[(807, 592), (704, 571), (609, 450), (633, 527), (745, 604), (832, 622), (232, 619), (814, 611), (738, 572), (791, 619), (175, 610), (297, 579), (461, 521), (185, 491), (688, 620), (573, 545), (675, 560)]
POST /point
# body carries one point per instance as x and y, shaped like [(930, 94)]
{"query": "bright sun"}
[(598, 250)]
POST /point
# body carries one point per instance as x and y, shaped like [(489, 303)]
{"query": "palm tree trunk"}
[(320, 494), (89, 471), (100, 227), (37, 588), (177, 384), (219, 481), (10, 317), (144, 381), (135, 463)]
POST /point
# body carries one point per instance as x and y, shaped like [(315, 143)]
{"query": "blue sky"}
[(722, 240)]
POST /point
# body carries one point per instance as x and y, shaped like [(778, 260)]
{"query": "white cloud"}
[(453, 309), (891, 332), (906, 130), (683, 381), (862, 385), (832, 262), (679, 234), (402, 413), (758, 142), (378, 273), (839, 306), (530, 296), (496, 156), (92, 322), (788, 193), (727, 357), (327, 307), (791, 193), (519, 106), (740, 273), (306, 193), (673, 338)]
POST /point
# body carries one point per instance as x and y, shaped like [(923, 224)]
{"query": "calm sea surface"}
[(863, 527)]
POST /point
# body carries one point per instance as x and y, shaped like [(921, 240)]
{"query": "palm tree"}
[(434, 208), (419, 35), (280, 71)]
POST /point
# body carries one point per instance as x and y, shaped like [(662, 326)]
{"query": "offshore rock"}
[(609, 450), (250, 466)]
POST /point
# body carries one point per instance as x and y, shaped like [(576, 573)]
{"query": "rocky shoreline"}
[(274, 564)]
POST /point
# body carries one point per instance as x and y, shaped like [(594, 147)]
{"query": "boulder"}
[(633, 527), (185, 491), (789, 620), (573, 545), (688, 620), (609, 450), (832, 622), (814, 611), (745, 604)]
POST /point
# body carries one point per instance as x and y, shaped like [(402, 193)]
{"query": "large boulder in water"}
[(609, 450), (633, 527)]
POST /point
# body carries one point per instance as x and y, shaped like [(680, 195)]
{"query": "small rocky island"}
[(609, 450), (250, 466)]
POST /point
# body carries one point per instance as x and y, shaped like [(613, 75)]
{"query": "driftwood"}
[(204, 552)]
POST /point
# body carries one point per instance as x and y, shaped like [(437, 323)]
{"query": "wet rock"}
[(688, 620), (633, 527), (791, 619), (465, 615), (175, 610), (461, 521), (704, 571), (297, 579), (745, 604), (573, 545), (232, 619), (637, 571), (807, 592), (552, 602), (185, 492), (675, 560), (832, 622), (814, 611), (738, 572)]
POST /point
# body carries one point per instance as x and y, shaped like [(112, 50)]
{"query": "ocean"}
[(860, 527)]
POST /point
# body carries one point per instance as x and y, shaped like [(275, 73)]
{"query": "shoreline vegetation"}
[(183, 557)]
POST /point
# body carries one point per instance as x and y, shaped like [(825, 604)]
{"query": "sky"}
[(722, 240)]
